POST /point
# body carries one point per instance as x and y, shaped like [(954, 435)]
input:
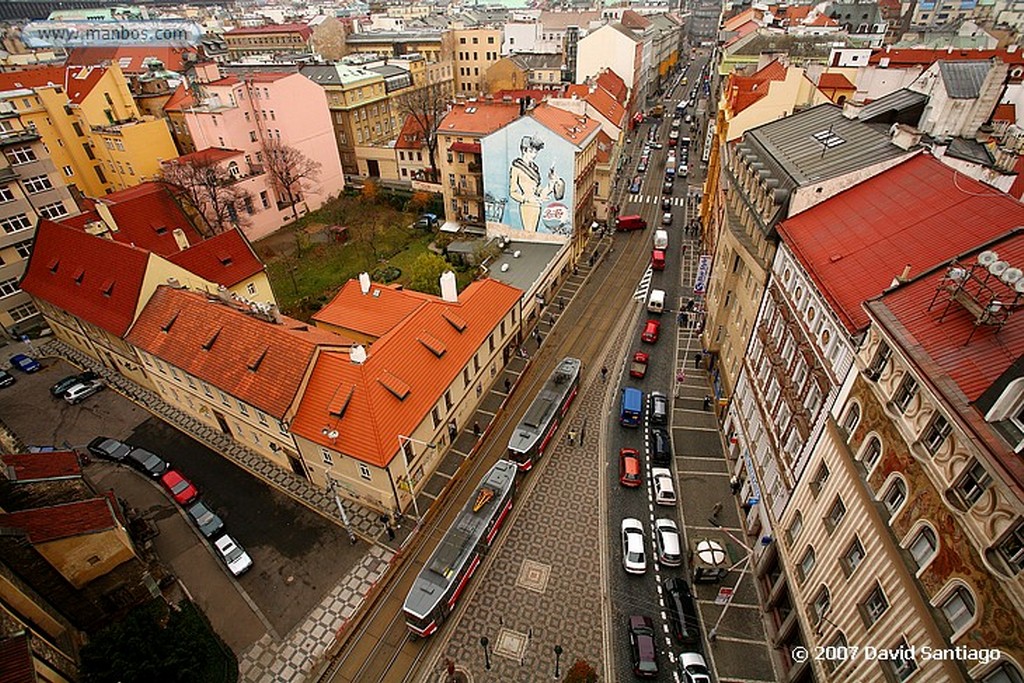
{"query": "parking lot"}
[(298, 555)]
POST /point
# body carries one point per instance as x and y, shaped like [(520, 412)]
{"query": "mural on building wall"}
[(528, 173)]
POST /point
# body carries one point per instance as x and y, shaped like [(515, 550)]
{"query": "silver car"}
[(82, 390), (237, 560)]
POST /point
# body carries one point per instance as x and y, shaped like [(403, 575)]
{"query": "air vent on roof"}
[(433, 344), (470, 110), (397, 387), (454, 320), (108, 287), (212, 340), (166, 327), (254, 365), (160, 229), (225, 259), (79, 275), (53, 265), (339, 404)]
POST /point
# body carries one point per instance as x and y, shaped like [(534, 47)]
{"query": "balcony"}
[(10, 137), (467, 191), (475, 167)]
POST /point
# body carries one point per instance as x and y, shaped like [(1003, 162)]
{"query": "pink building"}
[(245, 114)]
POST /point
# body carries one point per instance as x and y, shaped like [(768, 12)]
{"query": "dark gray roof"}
[(536, 60), (969, 150), (887, 109), (963, 80), (393, 36), (814, 145)]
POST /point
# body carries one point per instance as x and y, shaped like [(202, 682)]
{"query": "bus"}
[(632, 407), (445, 575), (541, 420)]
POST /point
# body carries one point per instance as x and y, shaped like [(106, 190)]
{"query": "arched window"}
[(959, 608), (1004, 673), (822, 604), (871, 452), (895, 496), (923, 546), (233, 169), (851, 420)]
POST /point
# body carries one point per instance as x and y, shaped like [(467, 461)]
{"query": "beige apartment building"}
[(475, 51)]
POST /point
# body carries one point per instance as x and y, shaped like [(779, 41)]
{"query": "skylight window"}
[(433, 344), (828, 139), (397, 387)]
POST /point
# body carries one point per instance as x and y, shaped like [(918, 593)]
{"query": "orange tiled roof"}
[(411, 136), (795, 13), (478, 118), (1005, 112), (31, 78), (373, 314), (259, 362), (604, 147), (835, 81), (81, 81), (302, 29), (226, 259), (211, 155), (573, 128), (353, 399), (821, 20), (55, 522), (179, 100), (613, 83), (131, 58), (904, 57), (36, 466), (733, 23), (746, 90), (601, 100)]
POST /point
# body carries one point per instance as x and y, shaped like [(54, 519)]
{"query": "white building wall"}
[(606, 47)]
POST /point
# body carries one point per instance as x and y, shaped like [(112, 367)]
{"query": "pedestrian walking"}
[(707, 403), (604, 373), (387, 527), (538, 337), (590, 261), (697, 358), (684, 318), (453, 430), (476, 429), (572, 437), (561, 304), (508, 385), (715, 510), (689, 304), (734, 485), (575, 269)]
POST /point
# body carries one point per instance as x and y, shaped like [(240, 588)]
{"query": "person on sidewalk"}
[(453, 431), (604, 373), (697, 358), (476, 429), (508, 386)]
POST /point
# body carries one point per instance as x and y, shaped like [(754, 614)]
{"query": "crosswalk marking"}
[(654, 199), (644, 286)]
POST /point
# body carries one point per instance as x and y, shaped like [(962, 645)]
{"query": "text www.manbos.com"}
[(70, 34)]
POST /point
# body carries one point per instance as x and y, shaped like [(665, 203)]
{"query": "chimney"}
[(904, 136), (275, 314), (449, 292), (901, 278), (364, 283), (104, 211), (357, 354), (180, 239)]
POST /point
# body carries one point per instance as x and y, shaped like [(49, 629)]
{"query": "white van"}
[(661, 239), (656, 302)]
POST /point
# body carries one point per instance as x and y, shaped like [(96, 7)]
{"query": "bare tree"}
[(207, 190), (427, 105), (291, 171)]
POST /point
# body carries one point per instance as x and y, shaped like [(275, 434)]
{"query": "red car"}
[(629, 468), (650, 333), (179, 487)]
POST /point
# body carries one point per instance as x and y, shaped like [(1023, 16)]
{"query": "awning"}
[(471, 147), (450, 226)]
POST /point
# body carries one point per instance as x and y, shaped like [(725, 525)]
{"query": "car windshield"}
[(635, 557), (152, 462), (201, 514), (180, 486)]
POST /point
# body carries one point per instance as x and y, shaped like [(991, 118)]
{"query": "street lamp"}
[(487, 655), (558, 657), (402, 440)]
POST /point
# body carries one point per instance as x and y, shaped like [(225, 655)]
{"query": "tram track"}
[(380, 648)]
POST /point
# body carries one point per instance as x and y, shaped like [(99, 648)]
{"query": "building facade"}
[(476, 49)]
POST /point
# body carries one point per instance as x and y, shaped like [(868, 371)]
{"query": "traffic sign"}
[(724, 596)]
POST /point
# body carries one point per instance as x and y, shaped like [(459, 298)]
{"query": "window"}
[(15, 223), (53, 210), (224, 399), (973, 484), (37, 184), (22, 312), (252, 136), (936, 433), (820, 478), (250, 289), (21, 155), (9, 287), (448, 400), (1004, 673), (282, 428), (923, 547), (853, 556), (435, 415), (807, 563), (838, 644), (835, 514), (821, 604), (851, 420), (959, 609), (241, 408), (206, 387), (327, 457), (5, 194), (265, 199), (68, 171), (902, 664), (23, 248), (465, 377), (905, 394), (364, 472), (874, 606), (894, 496), (795, 528)]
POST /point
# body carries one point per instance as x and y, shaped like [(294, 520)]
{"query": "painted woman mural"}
[(524, 183)]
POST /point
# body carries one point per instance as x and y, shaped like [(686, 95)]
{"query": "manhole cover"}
[(511, 644), (534, 576)]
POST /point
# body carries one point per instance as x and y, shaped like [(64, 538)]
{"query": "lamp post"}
[(402, 439), (487, 655), (558, 657)]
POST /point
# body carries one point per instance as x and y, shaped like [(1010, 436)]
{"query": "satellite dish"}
[(1011, 275), (998, 268), (1019, 286), (333, 434), (957, 274), (987, 258)]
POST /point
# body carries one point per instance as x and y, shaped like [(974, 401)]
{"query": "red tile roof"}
[(1005, 112), (74, 271), (210, 155), (302, 29), (220, 344), (411, 136), (974, 366), (55, 522), (631, 19), (904, 57), (173, 58), (601, 100), (470, 147), (373, 314), (610, 81), (516, 95), (920, 212), (35, 466), (821, 20), (372, 415), (180, 100), (228, 80), (226, 259), (478, 118), (746, 90), (835, 81), (604, 147), (31, 78), (1017, 188), (574, 129), (81, 80), (16, 660)]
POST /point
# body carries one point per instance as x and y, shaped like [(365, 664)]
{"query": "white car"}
[(82, 390), (666, 540), (237, 560), (667, 218), (693, 668), (664, 486), (682, 170), (634, 561)]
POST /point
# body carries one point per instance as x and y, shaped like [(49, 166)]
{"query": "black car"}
[(62, 385), (682, 612), (659, 447), (667, 187), (659, 408), (642, 647), (6, 379), (666, 204), (109, 449), (147, 462), (205, 519)]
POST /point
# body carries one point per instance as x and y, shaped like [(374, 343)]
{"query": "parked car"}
[(642, 647), (659, 447), (6, 379), (146, 462), (668, 187), (234, 556), (634, 187), (659, 408), (179, 487), (666, 204), (664, 487), (205, 519), (629, 468), (683, 170), (666, 540), (25, 363), (693, 668), (651, 330), (682, 612), (82, 390), (634, 558), (426, 221), (109, 449), (666, 218), (638, 366), (61, 387)]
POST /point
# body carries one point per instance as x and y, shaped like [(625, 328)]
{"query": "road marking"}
[(701, 472), (644, 286)]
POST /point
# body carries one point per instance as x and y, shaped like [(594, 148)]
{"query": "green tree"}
[(425, 273), (580, 672)]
